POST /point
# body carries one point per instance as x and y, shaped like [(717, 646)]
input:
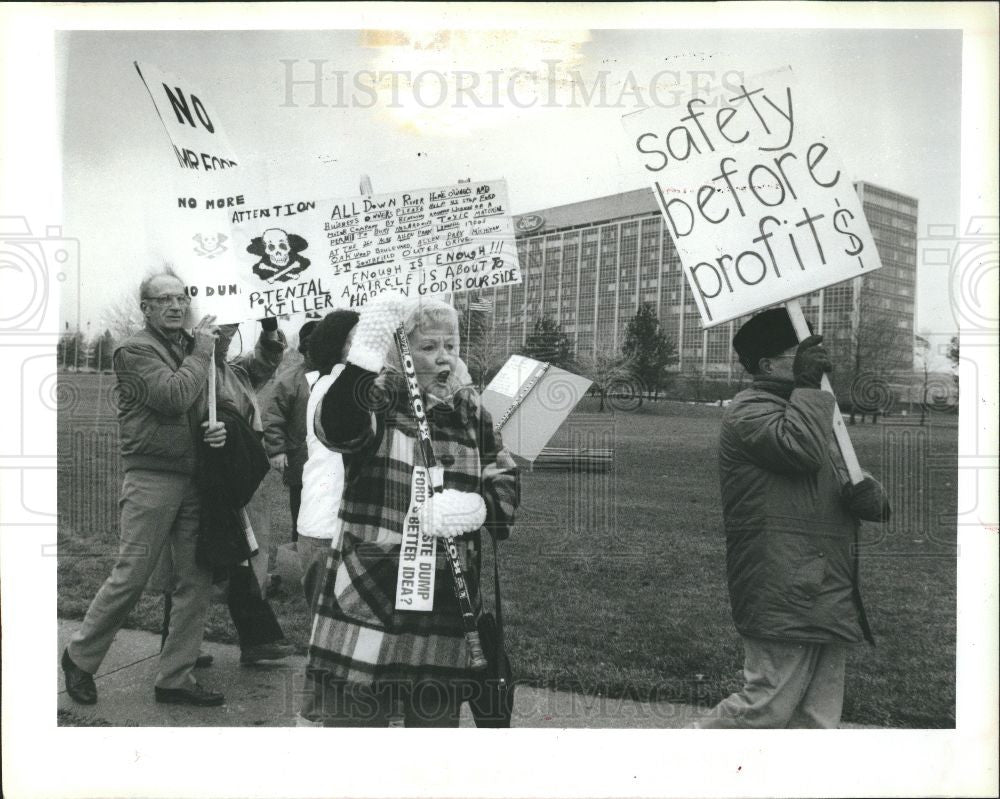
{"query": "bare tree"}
[(122, 317), (922, 353), (865, 361), (70, 348), (483, 349), (611, 373), (953, 356)]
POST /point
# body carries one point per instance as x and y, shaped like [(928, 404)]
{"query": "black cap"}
[(304, 332), (767, 334)]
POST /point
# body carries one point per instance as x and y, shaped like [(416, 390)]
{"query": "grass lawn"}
[(614, 583)]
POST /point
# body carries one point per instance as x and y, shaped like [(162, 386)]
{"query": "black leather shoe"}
[(275, 651), (193, 695), (204, 661), (79, 683)]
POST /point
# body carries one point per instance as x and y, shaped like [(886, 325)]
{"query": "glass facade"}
[(592, 277)]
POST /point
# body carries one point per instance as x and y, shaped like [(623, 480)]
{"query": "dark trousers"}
[(294, 503), (255, 621), (252, 615)]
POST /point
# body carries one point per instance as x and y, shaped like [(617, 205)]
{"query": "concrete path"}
[(268, 695)]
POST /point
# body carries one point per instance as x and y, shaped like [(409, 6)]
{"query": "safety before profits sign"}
[(758, 205)]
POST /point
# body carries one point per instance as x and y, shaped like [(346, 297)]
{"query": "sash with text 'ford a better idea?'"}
[(415, 577)]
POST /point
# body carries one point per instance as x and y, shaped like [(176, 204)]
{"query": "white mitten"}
[(452, 513), (377, 322)]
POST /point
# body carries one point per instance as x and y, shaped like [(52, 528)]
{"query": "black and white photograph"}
[(569, 380)]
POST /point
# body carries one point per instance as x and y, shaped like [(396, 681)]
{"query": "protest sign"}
[(300, 254), (757, 203), (184, 227), (193, 128), (529, 400), (246, 252), (248, 244)]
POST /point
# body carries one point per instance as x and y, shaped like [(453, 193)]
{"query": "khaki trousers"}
[(158, 509), (787, 685)]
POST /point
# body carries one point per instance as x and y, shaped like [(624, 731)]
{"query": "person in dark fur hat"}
[(791, 519)]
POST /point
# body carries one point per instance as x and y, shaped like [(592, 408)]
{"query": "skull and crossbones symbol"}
[(279, 256), (209, 245)]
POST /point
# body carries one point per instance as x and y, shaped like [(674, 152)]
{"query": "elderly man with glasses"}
[(162, 373)]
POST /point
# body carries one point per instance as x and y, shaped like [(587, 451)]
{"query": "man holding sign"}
[(791, 519), (162, 375)]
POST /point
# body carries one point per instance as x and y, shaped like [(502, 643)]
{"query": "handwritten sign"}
[(302, 254), (758, 205), (248, 244)]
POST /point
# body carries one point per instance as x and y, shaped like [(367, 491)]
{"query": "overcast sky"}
[(890, 101)]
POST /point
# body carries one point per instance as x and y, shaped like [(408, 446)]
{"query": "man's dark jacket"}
[(229, 477), (791, 539)]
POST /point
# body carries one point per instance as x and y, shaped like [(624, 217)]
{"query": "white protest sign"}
[(183, 225), (300, 253), (513, 375), (187, 226), (757, 203), (250, 243), (193, 128)]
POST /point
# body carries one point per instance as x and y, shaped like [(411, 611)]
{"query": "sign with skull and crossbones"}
[(209, 245), (279, 255)]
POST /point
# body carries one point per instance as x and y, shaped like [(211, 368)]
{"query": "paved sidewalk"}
[(268, 695)]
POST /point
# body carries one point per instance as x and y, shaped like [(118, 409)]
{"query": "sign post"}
[(839, 428), (757, 204)]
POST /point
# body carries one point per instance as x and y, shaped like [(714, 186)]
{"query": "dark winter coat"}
[(791, 539), (229, 477)]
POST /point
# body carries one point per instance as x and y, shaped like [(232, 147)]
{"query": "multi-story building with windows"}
[(589, 265)]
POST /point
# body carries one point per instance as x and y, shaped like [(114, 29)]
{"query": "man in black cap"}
[(791, 519)]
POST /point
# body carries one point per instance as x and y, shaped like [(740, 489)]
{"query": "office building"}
[(589, 265)]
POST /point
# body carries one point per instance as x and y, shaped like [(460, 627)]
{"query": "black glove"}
[(867, 500), (270, 324), (811, 363)]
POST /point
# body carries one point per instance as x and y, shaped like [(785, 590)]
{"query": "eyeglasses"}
[(182, 300)]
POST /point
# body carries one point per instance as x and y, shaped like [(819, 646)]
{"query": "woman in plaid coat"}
[(370, 661)]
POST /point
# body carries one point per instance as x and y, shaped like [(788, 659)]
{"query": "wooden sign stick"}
[(212, 415), (839, 428)]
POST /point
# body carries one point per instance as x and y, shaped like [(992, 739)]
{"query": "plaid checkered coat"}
[(358, 635)]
